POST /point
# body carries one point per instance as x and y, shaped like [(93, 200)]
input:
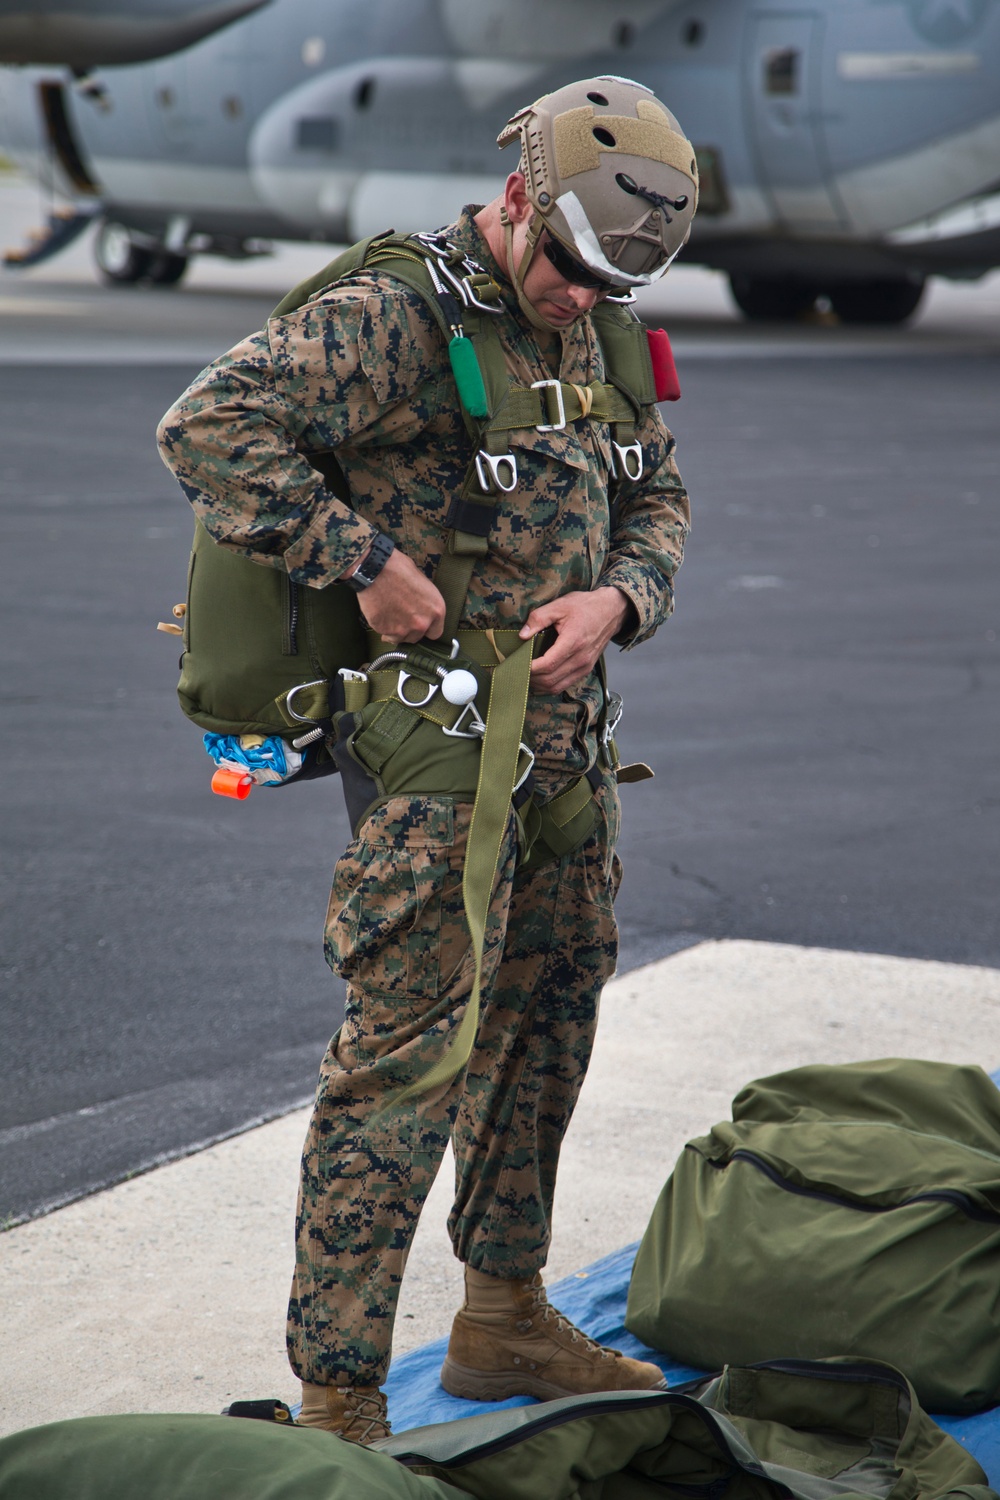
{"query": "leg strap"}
[(491, 810), (558, 827)]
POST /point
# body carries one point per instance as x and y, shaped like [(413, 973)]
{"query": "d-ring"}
[(300, 688), (401, 681)]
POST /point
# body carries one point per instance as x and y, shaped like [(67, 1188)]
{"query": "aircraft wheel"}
[(167, 269), (876, 301), (119, 259), (769, 300)]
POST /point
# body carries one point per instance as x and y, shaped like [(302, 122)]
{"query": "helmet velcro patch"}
[(578, 145)]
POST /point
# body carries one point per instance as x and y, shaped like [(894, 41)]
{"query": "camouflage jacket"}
[(363, 369)]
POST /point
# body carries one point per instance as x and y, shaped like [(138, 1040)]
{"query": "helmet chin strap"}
[(519, 270)]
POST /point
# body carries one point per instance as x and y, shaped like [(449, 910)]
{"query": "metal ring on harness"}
[(622, 453), (405, 677), (493, 462), (456, 732), (302, 718), (519, 783)]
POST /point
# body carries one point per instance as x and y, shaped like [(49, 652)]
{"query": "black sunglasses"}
[(572, 270)]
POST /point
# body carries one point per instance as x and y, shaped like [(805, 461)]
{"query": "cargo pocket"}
[(383, 928)]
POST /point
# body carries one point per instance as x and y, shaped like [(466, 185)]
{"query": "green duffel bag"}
[(791, 1432), (849, 1210)]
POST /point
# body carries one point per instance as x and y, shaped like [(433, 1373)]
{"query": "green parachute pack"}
[(262, 653)]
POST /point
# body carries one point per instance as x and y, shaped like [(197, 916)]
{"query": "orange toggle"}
[(232, 783)]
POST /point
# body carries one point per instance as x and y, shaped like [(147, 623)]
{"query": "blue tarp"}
[(595, 1300)]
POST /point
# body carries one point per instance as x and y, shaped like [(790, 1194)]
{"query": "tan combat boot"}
[(356, 1413), (508, 1341)]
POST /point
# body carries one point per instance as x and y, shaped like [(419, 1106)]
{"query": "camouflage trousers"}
[(396, 932)]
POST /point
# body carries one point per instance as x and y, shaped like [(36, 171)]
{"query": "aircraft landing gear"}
[(119, 258), (123, 261), (890, 301), (167, 269), (768, 299)]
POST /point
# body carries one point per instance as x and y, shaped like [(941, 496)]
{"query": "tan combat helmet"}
[(611, 177)]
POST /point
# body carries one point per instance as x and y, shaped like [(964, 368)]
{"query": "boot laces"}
[(540, 1303), (366, 1410)]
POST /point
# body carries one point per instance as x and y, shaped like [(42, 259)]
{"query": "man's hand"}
[(403, 604), (584, 624)]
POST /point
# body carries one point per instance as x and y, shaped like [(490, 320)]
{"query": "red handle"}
[(668, 387)]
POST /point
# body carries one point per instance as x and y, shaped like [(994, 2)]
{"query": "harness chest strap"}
[(555, 403), (425, 264)]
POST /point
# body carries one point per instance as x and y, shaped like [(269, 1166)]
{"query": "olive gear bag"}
[(845, 1210), (789, 1431)]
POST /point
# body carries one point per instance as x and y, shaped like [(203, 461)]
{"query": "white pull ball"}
[(459, 687)]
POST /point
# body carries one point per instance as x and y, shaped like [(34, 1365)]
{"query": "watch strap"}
[(366, 572)]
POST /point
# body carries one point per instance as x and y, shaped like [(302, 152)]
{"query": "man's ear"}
[(515, 197)]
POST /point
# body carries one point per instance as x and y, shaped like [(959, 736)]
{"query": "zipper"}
[(933, 1195), (290, 645), (711, 1490), (860, 1371)]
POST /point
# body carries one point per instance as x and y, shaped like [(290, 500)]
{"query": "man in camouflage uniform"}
[(362, 369)]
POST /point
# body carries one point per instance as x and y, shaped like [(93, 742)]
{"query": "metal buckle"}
[(556, 385), (493, 462), (456, 732), (519, 783), (300, 688), (621, 454)]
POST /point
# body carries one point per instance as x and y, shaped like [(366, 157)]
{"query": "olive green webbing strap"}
[(454, 574), (491, 810)]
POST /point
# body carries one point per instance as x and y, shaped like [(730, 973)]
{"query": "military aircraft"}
[(84, 33), (848, 149)]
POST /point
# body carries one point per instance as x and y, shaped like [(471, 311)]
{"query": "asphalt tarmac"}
[(822, 712)]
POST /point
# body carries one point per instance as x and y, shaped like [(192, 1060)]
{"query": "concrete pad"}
[(166, 1293)]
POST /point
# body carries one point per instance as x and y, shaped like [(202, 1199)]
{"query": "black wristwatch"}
[(366, 572)]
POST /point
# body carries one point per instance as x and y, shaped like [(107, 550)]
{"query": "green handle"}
[(468, 376)]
